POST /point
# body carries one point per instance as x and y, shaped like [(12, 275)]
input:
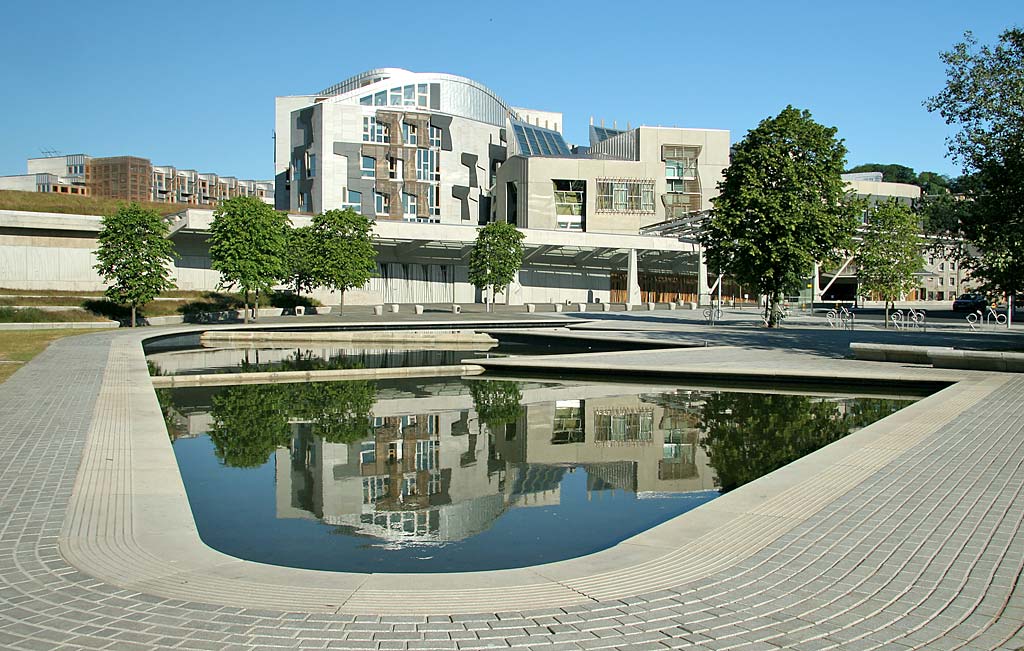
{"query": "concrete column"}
[(632, 281), (703, 286), (514, 291)]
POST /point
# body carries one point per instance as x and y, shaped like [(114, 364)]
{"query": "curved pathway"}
[(905, 535)]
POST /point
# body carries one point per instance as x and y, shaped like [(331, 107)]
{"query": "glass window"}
[(570, 203), (625, 196), (409, 96), (380, 99), (408, 204), (381, 203), (421, 95), (435, 137), (396, 97), (427, 168), (374, 131), (354, 200), (366, 101), (368, 167), (409, 132), (311, 167)]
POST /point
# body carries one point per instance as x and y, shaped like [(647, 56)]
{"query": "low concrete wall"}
[(223, 379), (347, 336), (894, 352), (978, 360), (72, 325)]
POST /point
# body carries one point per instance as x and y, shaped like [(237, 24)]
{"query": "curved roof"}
[(458, 95)]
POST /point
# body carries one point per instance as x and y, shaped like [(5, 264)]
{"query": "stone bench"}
[(894, 352), (978, 360), (378, 310)]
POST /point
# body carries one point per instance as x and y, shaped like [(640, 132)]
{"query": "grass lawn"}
[(76, 205), (19, 346)]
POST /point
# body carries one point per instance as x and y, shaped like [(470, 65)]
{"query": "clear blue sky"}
[(193, 84)]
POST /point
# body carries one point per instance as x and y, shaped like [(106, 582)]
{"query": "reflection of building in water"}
[(445, 476), (641, 443)]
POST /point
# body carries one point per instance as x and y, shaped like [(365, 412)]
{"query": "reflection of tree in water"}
[(749, 435), (251, 421), (300, 360), (497, 402)]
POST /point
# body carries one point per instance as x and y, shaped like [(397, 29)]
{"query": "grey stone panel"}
[(485, 210), (444, 123), (497, 152), (461, 193), (469, 160), (355, 180), (435, 97), (281, 192)]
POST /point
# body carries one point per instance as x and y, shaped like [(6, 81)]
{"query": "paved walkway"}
[(906, 534)]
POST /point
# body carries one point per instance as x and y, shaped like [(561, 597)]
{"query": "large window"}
[(427, 167), (623, 425), (568, 424), (409, 205), (435, 137), (374, 131), (382, 203), (625, 196), (367, 167), (681, 168), (353, 200), (409, 133), (570, 204)]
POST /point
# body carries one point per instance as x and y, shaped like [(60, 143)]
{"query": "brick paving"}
[(918, 545)]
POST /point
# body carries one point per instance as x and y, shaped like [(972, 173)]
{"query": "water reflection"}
[(445, 463)]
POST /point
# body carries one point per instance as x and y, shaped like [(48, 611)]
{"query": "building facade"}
[(131, 178)]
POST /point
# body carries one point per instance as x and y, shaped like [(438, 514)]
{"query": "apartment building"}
[(131, 178)]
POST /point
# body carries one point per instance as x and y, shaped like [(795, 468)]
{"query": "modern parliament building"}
[(433, 156)]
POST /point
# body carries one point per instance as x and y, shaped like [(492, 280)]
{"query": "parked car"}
[(970, 303)]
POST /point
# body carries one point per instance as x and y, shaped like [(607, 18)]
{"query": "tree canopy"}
[(984, 100), (929, 182), (343, 256), (496, 256), (889, 253), (134, 256), (248, 241), (780, 207), (299, 263)]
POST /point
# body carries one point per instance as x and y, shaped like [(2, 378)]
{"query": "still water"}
[(445, 475)]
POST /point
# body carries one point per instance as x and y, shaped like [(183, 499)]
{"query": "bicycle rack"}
[(841, 318)]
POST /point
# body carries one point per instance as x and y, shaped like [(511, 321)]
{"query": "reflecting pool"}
[(443, 475)]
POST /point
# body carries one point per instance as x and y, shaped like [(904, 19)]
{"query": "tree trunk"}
[(341, 304), (133, 315), (256, 308), (885, 326), (773, 314), (245, 307)]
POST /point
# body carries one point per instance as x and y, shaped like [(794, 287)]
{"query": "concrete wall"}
[(21, 182), (533, 178)]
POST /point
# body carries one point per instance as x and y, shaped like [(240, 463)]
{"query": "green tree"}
[(496, 402), (747, 435), (343, 253), (299, 261), (781, 207), (134, 256), (891, 172), (250, 421), (889, 253), (248, 240), (984, 99), (496, 257)]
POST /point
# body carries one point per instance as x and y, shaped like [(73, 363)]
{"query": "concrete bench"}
[(378, 310), (894, 352), (394, 308), (978, 360), (651, 306), (417, 308), (530, 307), (558, 307), (582, 307), (456, 308), (300, 310), (606, 307)]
